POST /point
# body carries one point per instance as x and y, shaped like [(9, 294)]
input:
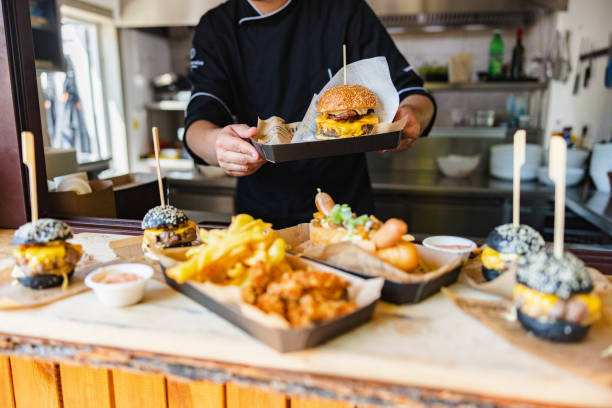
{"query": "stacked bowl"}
[(501, 161)]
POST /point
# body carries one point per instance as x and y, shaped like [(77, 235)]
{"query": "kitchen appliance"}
[(601, 165)]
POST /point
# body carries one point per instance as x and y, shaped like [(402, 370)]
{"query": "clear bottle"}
[(496, 55), (518, 57)]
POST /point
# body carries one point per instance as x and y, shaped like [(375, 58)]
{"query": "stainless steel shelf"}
[(486, 86)]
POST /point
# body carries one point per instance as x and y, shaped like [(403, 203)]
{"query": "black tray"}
[(400, 293), (283, 340), (279, 153)]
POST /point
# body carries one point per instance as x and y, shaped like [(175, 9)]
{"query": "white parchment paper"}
[(372, 73)]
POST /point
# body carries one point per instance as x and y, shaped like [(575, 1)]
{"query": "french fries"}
[(227, 255)]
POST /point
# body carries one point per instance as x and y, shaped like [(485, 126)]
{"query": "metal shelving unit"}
[(509, 86)]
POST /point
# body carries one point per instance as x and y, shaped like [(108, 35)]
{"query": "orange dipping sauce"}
[(111, 277)]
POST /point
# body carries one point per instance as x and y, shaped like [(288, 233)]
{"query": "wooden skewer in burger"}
[(43, 258), (337, 223), (166, 226)]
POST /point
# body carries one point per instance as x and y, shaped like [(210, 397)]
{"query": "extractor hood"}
[(437, 15)]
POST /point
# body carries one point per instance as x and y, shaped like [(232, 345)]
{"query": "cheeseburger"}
[(167, 227), (44, 259), (505, 245), (554, 298), (346, 111)]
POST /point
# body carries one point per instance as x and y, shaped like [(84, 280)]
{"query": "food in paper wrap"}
[(372, 73), (245, 267)]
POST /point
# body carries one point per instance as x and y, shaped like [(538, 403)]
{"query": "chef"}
[(255, 59)]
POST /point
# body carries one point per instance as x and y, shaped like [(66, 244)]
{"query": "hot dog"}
[(337, 223)]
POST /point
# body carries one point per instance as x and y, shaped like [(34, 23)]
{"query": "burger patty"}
[(71, 258), (349, 116), (170, 238), (366, 129)]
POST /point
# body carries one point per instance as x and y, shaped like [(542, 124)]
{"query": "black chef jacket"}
[(245, 66)]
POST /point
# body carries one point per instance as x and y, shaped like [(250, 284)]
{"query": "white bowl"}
[(120, 294), (573, 176), (528, 172), (458, 166), (503, 154), (575, 157), (442, 242)]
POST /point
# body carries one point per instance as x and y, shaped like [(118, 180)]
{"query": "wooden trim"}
[(7, 398), (36, 383), (139, 390), (195, 394), (86, 387), (302, 402), (242, 397)]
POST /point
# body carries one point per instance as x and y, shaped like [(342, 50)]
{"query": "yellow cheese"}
[(537, 303), (491, 259), (346, 129), (152, 233), (51, 255)]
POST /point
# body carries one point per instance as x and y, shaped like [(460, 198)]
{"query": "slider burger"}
[(505, 245), (167, 227), (43, 258), (337, 223), (553, 297), (346, 111)]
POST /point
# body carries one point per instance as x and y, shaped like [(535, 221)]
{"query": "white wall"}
[(591, 19)]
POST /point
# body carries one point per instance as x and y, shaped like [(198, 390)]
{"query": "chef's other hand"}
[(411, 131), (235, 155)]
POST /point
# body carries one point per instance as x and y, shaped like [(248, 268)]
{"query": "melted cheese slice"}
[(151, 233), (491, 259), (346, 129), (538, 303), (51, 255)]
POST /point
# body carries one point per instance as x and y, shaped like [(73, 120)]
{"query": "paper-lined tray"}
[(278, 141), (273, 331), (442, 268)]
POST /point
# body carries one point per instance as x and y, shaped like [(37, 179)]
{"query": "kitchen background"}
[(119, 68)]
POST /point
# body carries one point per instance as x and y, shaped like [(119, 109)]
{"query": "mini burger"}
[(166, 227), (554, 298), (346, 111), (44, 259), (337, 223), (505, 245)]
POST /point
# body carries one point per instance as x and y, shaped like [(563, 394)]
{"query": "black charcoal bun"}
[(490, 274), (42, 231), (164, 216), (557, 330), (43, 281), (520, 241), (564, 277)]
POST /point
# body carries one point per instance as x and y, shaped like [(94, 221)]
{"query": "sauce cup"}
[(454, 245), (123, 293)]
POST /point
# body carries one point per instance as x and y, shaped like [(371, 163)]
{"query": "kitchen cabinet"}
[(162, 13)]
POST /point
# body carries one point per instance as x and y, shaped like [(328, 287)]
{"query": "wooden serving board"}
[(432, 344)]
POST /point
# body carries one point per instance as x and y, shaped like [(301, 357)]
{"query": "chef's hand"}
[(235, 155), (411, 131)]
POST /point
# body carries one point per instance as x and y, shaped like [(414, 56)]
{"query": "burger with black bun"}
[(43, 258), (554, 296), (346, 111), (166, 227), (505, 246)]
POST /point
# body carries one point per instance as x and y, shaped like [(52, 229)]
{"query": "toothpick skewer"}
[(159, 175), (29, 159), (556, 171), (519, 160), (344, 61)]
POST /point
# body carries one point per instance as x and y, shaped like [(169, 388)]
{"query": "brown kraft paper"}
[(433, 263), (586, 358)]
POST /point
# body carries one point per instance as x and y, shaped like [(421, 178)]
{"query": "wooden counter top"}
[(429, 346)]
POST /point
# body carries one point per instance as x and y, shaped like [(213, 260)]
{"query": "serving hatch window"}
[(73, 101)]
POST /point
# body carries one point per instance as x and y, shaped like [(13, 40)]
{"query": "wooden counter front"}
[(170, 352)]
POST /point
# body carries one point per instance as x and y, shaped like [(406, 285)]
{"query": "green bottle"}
[(496, 55)]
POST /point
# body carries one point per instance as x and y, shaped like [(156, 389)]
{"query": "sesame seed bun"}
[(42, 231), (347, 97), (163, 216), (564, 277)]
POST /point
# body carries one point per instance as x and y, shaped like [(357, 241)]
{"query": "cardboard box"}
[(99, 203)]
